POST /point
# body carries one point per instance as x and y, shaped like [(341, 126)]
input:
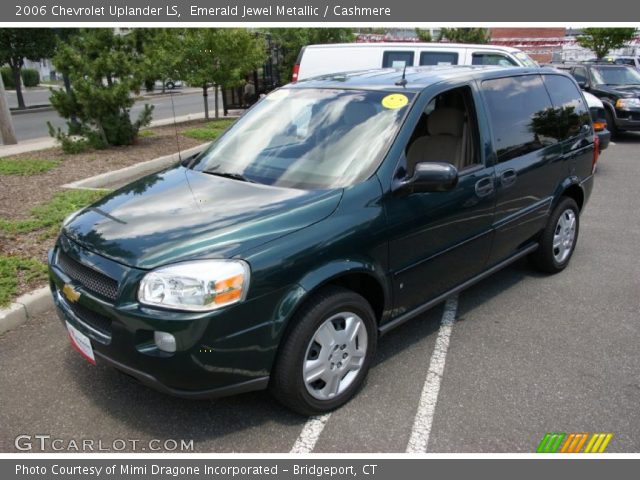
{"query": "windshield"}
[(615, 75), (309, 138), (525, 59)]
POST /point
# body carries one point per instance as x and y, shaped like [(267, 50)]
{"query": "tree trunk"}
[(67, 87), (216, 102), (6, 124), (18, 81), (205, 95)]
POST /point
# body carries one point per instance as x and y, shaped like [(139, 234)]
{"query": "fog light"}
[(165, 341)]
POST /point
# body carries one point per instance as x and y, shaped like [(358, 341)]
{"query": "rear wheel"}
[(326, 356), (559, 238)]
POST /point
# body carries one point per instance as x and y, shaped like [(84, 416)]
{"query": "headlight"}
[(196, 286), (628, 103)]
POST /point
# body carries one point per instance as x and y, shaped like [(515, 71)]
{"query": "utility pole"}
[(6, 124)]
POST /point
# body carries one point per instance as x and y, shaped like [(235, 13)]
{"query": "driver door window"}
[(447, 132)]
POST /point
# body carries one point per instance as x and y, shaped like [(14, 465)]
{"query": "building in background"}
[(541, 44), (377, 35)]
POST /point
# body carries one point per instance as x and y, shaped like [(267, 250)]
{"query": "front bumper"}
[(628, 120), (218, 353), (605, 138)]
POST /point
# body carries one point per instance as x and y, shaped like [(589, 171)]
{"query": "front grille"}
[(89, 278), (99, 322)]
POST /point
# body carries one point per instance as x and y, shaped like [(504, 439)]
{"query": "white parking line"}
[(310, 434), (421, 430)]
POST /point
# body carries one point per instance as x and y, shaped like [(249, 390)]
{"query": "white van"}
[(315, 60)]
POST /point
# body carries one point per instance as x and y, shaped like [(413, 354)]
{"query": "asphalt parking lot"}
[(528, 354)]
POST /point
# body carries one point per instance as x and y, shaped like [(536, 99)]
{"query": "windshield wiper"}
[(234, 176)]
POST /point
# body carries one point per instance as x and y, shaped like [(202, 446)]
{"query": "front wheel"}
[(611, 123), (559, 238), (327, 354)]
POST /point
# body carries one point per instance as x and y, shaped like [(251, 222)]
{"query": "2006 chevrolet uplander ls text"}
[(334, 210)]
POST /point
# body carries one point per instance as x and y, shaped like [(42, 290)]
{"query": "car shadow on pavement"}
[(625, 137), (146, 412), (495, 285)]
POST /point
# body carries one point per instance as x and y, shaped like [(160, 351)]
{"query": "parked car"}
[(332, 212), (315, 60), (630, 60), (170, 84), (618, 86), (598, 119)]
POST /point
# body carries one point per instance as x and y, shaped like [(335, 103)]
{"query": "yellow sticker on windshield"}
[(395, 100)]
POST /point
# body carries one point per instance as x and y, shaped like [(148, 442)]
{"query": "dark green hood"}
[(181, 214)]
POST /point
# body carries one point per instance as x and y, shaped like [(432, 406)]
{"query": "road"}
[(34, 125), (528, 354)]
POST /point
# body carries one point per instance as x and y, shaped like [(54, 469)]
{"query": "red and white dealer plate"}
[(81, 343)]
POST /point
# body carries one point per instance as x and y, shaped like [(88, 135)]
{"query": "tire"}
[(314, 344), (611, 124), (170, 85), (563, 226)]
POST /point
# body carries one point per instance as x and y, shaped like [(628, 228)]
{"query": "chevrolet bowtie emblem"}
[(70, 293)]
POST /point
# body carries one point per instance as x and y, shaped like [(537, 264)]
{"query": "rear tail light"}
[(599, 126), (296, 70), (596, 153)]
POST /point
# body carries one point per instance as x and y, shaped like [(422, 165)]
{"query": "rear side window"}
[(580, 74), (438, 58), (393, 59), (518, 109), (492, 59), (625, 61), (570, 113)]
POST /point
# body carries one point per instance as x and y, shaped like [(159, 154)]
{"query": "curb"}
[(25, 307), (133, 172), (35, 109), (43, 143)]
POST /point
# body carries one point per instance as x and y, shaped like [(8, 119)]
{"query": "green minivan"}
[(334, 210)]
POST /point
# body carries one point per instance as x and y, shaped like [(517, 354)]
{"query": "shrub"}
[(30, 77), (104, 71), (7, 77)]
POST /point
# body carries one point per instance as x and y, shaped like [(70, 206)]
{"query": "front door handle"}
[(508, 177), (484, 187)]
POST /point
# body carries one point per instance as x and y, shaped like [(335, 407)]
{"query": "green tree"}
[(465, 35), (160, 51), (18, 44), (221, 57), (424, 35), (293, 39), (104, 69), (602, 40), (63, 36)]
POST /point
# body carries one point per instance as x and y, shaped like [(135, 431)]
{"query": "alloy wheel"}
[(335, 355)]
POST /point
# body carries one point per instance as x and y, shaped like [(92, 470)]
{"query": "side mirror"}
[(432, 177)]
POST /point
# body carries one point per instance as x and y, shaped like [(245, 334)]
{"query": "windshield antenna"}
[(175, 125), (403, 81)]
